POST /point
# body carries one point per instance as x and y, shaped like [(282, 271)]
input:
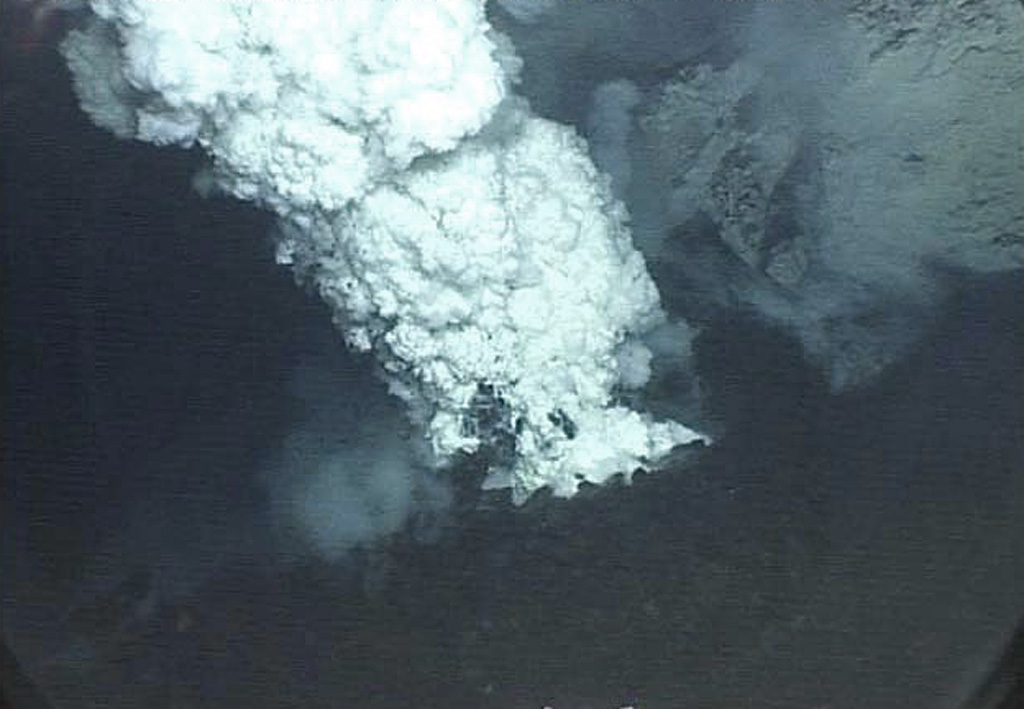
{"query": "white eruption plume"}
[(472, 246)]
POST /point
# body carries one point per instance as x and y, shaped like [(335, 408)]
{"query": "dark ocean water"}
[(857, 551)]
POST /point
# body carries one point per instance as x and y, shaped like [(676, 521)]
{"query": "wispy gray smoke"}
[(346, 474), (609, 131)]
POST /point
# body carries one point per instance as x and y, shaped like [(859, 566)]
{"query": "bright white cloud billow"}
[(473, 247)]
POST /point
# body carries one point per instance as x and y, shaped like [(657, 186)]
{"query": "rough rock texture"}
[(942, 163), (721, 165), (911, 160)]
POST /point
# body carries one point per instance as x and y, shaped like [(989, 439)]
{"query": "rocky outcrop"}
[(843, 191)]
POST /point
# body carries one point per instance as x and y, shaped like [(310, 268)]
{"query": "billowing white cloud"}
[(302, 106), (472, 246)]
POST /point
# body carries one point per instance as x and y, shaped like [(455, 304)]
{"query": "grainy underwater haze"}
[(327, 364)]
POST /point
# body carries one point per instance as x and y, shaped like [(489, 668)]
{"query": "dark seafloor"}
[(860, 551)]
